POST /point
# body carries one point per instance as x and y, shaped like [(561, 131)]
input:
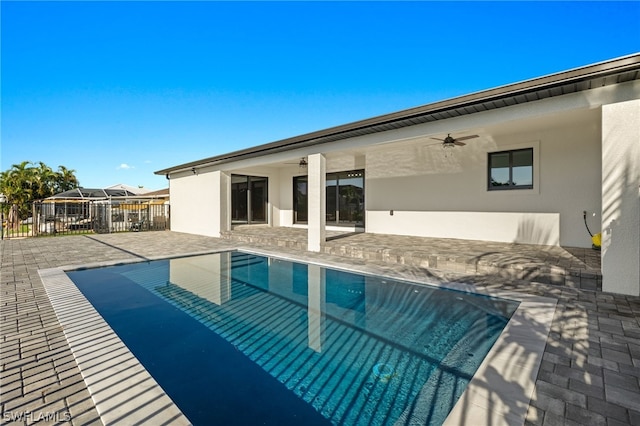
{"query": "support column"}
[(317, 202), (621, 198)]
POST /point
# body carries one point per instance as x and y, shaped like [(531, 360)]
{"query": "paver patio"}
[(590, 371)]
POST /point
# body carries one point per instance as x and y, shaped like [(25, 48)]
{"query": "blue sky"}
[(117, 90)]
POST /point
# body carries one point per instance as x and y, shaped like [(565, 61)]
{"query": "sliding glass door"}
[(349, 198), (249, 198), (300, 199), (344, 202)]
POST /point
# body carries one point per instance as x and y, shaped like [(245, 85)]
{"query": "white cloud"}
[(124, 166), (147, 161)]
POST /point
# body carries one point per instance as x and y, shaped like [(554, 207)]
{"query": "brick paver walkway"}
[(590, 372)]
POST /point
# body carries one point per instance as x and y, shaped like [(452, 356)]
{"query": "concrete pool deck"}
[(589, 370)]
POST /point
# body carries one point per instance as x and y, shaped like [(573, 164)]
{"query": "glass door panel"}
[(351, 199), (239, 206), (249, 197), (300, 199), (344, 198), (332, 202), (258, 199)]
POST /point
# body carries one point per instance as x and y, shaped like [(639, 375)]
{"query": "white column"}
[(317, 202), (621, 198)]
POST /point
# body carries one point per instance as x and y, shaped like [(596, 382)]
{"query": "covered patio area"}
[(566, 266)]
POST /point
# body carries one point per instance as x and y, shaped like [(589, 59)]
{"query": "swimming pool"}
[(236, 338)]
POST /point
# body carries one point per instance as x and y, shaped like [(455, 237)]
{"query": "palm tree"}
[(66, 180), (17, 185), (44, 179), (23, 183)]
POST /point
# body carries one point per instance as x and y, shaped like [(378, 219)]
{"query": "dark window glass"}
[(332, 202), (344, 198), (300, 199), (522, 169), (351, 198), (511, 169), (249, 197), (239, 201), (499, 169), (258, 196)]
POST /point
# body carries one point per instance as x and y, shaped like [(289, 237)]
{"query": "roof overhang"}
[(615, 71)]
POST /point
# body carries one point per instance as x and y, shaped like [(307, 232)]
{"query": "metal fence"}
[(67, 217)]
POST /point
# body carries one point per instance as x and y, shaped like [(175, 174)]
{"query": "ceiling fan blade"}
[(436, 139), (464, 138), (458, 143)]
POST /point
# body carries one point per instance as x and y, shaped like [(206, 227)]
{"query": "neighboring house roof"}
[(119, 190), (132, 189), (159, 193), (92, 193), (610, 72)]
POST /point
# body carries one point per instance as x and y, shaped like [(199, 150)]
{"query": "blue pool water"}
[(238, 338)]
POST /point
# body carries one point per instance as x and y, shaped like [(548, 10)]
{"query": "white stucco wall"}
[(447, 197), (621, 198), (196, 201)]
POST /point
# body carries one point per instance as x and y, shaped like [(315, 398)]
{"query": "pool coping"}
[(121, 388), (499, 392)]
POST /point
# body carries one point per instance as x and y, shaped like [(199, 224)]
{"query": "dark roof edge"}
[(600, 69)]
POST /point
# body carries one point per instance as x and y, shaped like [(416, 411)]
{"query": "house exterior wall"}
[(284, 214), (621, 198), (586, 159), (199, 203), (445, 195), (438, 196)]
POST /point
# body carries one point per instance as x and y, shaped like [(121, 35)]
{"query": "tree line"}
[(27, 182)]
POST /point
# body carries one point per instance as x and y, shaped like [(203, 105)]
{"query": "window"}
[(511, 169)]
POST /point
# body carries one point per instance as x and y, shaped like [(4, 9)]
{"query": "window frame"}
[(510, 187)]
